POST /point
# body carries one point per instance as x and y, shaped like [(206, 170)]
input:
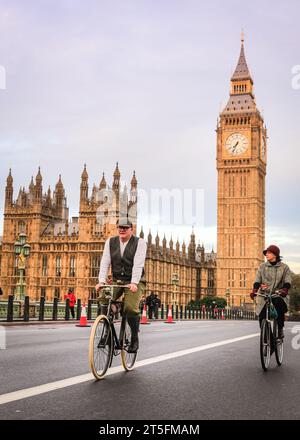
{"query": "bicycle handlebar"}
[(266, 295), (111, 286)]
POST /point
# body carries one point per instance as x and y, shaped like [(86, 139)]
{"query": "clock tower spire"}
[(241, 166)]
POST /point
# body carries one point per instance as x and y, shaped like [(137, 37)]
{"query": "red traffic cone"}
[(170, 317), (83, 318), (144, 319), (223, 315)]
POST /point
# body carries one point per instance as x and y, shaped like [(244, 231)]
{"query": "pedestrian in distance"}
[(71, 296), (151, 303), (157, 305), (214, 308)]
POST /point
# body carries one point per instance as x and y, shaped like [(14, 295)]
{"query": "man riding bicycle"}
[(273, 275), (126, 255)]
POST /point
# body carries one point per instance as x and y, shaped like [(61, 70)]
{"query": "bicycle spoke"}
[(100, 347), (265, 345), (278, 345), (128, 359)]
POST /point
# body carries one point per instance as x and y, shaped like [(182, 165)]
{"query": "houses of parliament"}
[(67, 252)]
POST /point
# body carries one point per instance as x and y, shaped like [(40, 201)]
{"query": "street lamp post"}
[(22, 251), (227, 298)]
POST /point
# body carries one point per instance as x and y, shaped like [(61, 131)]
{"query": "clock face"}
[(237, 144)]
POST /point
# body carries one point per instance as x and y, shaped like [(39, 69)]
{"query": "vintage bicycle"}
[(105, 343), (270, 341)]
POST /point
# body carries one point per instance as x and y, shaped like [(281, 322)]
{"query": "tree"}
[(207, 301), (294, 294), (221, 302)]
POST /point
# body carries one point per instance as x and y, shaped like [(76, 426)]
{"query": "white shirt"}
[(138, 262)]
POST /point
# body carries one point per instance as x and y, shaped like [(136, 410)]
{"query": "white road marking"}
[(46, 388), (164, 330)]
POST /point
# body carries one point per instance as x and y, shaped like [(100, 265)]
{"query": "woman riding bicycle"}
[(273, 275)]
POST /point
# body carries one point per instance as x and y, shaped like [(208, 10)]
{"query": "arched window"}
[(58, 266), (72, 266), (44, 265), (21, 227)]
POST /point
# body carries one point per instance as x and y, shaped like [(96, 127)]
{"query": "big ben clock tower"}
[(241, 166)]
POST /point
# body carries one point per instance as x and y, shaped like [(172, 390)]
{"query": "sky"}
[(141, 83)]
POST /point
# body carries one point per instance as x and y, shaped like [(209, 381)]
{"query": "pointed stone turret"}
[(242, 71), (19, 198), (59, 196), (184, 249), (84, 175), (31, 185), (48, 198), (177, 248), (39, 178), (9, 179), (84, 188), (94, 194), (24, 198), (38, 187), (133, 181), (157, 241), (164, 245), (103, 183), (133, 190), (202, 253), (192, 247), (117, 177), (241, 93), (59, 186), (150, 238), (9, 190)]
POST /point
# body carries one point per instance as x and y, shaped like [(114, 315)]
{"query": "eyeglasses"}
[(123, 228)]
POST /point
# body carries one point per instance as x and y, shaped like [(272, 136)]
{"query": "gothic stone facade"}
[(67, 253)]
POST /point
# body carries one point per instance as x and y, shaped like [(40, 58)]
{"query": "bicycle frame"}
[(268, 300), (111, 314)]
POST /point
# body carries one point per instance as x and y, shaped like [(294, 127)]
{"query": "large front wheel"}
[(128, 359), (101, 347), (265, 344)]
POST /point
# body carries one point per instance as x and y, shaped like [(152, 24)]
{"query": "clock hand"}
[(234, 148)]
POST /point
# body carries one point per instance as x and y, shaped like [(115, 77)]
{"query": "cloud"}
[(141, 83), (288, 239)]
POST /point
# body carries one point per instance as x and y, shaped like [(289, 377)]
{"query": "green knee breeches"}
[(131, 299)]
